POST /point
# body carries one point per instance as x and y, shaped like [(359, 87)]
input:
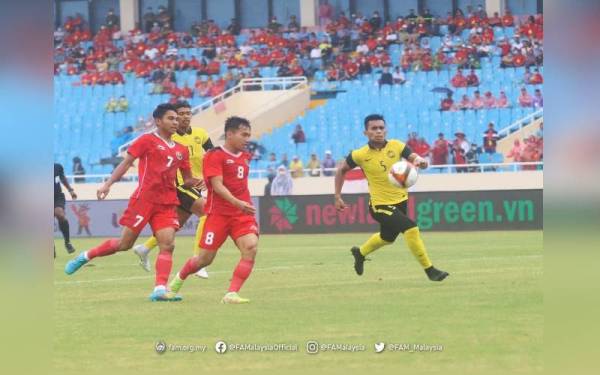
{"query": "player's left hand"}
[(73, 195), (195, 183), (201, 185)]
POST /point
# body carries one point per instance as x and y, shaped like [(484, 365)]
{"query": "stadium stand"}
[(89, 70)]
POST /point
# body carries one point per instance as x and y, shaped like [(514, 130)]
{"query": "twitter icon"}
[(379, 347)]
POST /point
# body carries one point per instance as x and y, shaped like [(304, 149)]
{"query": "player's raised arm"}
[(119, 172), (340, 174), (220, 189)]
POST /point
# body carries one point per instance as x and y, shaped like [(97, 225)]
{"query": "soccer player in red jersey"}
[(228, 208), (154, 201)]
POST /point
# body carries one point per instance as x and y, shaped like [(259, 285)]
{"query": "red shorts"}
[(140, 212), (217, 227)]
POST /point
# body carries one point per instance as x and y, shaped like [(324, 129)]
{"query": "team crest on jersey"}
[(391, 154), (198, 140), (179, 155), (229, 161)]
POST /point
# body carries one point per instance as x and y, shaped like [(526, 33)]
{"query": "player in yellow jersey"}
[(388, 203), (190, 200)]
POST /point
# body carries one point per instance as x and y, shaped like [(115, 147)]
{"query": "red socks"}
[(240, 274), (164, 263), (188, 268), (107, 247)]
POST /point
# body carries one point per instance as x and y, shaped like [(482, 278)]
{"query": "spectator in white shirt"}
[(362, 48), (398, 76), (151, 53), (315, 53)]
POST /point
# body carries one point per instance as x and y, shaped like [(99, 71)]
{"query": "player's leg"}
[(203, 259), (214, 232), (143, 250), (244, 232), (248, 245), (198, 210), (382, 215), (133, 220), (63, 224), (164, 223), (106, 248), (412, 237), (163, 265), (186, 199)]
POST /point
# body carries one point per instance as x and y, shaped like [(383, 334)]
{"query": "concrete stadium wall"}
[(506, 144), (264, 109)]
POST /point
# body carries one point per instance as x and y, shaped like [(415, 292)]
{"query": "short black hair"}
[(182, 104), (373, 117), (233, 123), (161, 109)]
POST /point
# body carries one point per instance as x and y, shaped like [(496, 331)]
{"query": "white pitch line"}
[(499, 270), (150, 275)]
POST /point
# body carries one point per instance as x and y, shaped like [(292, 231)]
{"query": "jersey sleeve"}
[(212, 165), (207, 145), (139, 147), (406, 151), (350, 161)]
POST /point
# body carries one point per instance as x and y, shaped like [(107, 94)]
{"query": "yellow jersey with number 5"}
[(197, 142), (376, 164)]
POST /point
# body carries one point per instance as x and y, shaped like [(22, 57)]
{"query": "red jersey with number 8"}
[(234, 168), (158, 163)]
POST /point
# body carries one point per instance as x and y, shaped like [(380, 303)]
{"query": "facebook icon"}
[(221, 347)]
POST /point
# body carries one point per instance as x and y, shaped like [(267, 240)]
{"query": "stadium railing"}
[(519, 124), (433, 169)]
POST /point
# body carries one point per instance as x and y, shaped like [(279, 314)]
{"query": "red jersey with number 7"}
[(158, 163), (234, 168)]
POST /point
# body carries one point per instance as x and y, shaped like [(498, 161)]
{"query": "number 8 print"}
[(240, 172), (209, 238)]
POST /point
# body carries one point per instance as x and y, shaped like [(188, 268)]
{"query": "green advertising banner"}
[(434, 211)]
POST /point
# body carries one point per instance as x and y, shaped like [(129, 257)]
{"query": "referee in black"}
[(59, 205)]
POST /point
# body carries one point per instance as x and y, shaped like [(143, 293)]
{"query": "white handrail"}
[(518, 125), (247, 83), (445, 168)]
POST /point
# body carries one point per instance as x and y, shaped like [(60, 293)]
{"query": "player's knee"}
[(204, 259), (249, 251), (125, 244), (167, 246)]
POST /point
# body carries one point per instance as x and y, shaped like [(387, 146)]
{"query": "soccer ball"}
[(403, 174)]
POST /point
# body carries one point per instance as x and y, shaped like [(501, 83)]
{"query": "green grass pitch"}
[(488, 315)]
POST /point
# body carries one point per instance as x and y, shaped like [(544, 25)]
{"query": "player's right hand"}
[(246, 207), (340, 205), (102, 192)]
